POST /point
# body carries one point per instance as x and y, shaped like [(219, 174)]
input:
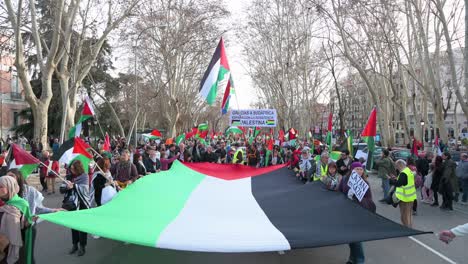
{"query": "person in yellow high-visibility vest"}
[(322, 167), (238, 157), (405, 191)]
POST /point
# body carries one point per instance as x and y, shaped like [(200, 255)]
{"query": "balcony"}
[(15, 96)]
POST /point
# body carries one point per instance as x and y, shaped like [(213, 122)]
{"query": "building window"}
[(15, 89), (15, 119)]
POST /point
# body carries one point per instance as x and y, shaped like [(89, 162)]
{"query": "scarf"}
[(23, 206)]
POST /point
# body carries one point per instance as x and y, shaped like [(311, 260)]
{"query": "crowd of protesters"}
[(438, 179)]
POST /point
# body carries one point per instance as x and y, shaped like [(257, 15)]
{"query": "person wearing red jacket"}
[(48, 171)]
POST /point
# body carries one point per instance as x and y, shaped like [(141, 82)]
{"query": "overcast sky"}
[(245, 92)]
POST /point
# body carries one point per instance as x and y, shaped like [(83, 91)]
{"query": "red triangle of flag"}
[(106, 146), (87, 109), (22, 157), (371, 127), (156, 133), (80, 148)]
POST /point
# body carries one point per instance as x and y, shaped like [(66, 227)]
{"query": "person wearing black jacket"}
[(422, 165), (437, 172), (138, 162), (344, 163), (152, 164), (209, 155)]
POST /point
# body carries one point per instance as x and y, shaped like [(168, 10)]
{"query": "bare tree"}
[(283, 62), (175, 45)]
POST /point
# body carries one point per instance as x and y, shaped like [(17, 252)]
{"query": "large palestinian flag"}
[(74, 149), (230, 208), (22, 160), (216, 76)]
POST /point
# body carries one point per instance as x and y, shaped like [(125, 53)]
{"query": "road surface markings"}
[(433, 250)]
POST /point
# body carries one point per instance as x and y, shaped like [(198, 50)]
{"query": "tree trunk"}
[(40, 122)]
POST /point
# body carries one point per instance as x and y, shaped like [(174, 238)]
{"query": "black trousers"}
[(79, 237), (43, 183)]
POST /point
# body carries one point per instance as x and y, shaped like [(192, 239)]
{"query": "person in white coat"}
[(448, 235)]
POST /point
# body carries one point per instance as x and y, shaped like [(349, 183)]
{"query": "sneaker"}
[(435, 204), (415, 213), (96, 237), (383, 200)]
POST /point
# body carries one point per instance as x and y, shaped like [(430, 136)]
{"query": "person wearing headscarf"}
[(34, 199), (15, 218), (76, 191)]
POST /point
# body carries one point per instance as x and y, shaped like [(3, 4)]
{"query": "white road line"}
[(433, 250)]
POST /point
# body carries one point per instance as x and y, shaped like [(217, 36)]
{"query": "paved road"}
[(54, 241)]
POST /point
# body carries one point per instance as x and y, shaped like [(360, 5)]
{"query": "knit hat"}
[(356, 165)]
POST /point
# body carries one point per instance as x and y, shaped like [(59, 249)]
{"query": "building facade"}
[(11, 96)]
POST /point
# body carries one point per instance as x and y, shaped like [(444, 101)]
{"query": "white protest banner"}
[(357, 185), (253, 118)]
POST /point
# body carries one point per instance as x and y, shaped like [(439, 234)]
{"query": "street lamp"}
[(422, 133)]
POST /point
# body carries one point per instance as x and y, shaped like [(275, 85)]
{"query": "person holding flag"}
[(76, 191)]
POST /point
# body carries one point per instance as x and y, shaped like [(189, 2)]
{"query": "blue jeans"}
[(465, 190), (356, 253), (385, 187)]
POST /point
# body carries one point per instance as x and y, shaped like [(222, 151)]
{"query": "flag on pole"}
[(107, 146), (233, 130), (329, 133), (269, 151), (86, 113), (292, 133), (281, 136), (368, 135), (202, 127), (349, 141), (74, 149), (180, 138), (227, 96), (22, 160), (154, 135), (216, 76)]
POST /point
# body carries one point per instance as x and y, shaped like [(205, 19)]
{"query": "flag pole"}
[(54, 172)]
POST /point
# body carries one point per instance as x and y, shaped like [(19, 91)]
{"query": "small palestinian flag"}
[(107, 146), (154, 135), (86, 113), (329, 133), (22, 160), (233, 130), (74, 149), (368, 135), (180, 139), (202, 127), (216, 76)]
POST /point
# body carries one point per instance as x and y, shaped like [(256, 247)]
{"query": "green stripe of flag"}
[(165, 206), (27, 169)]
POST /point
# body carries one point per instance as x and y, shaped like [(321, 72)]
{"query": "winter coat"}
[(449, 176), (385, 167)]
